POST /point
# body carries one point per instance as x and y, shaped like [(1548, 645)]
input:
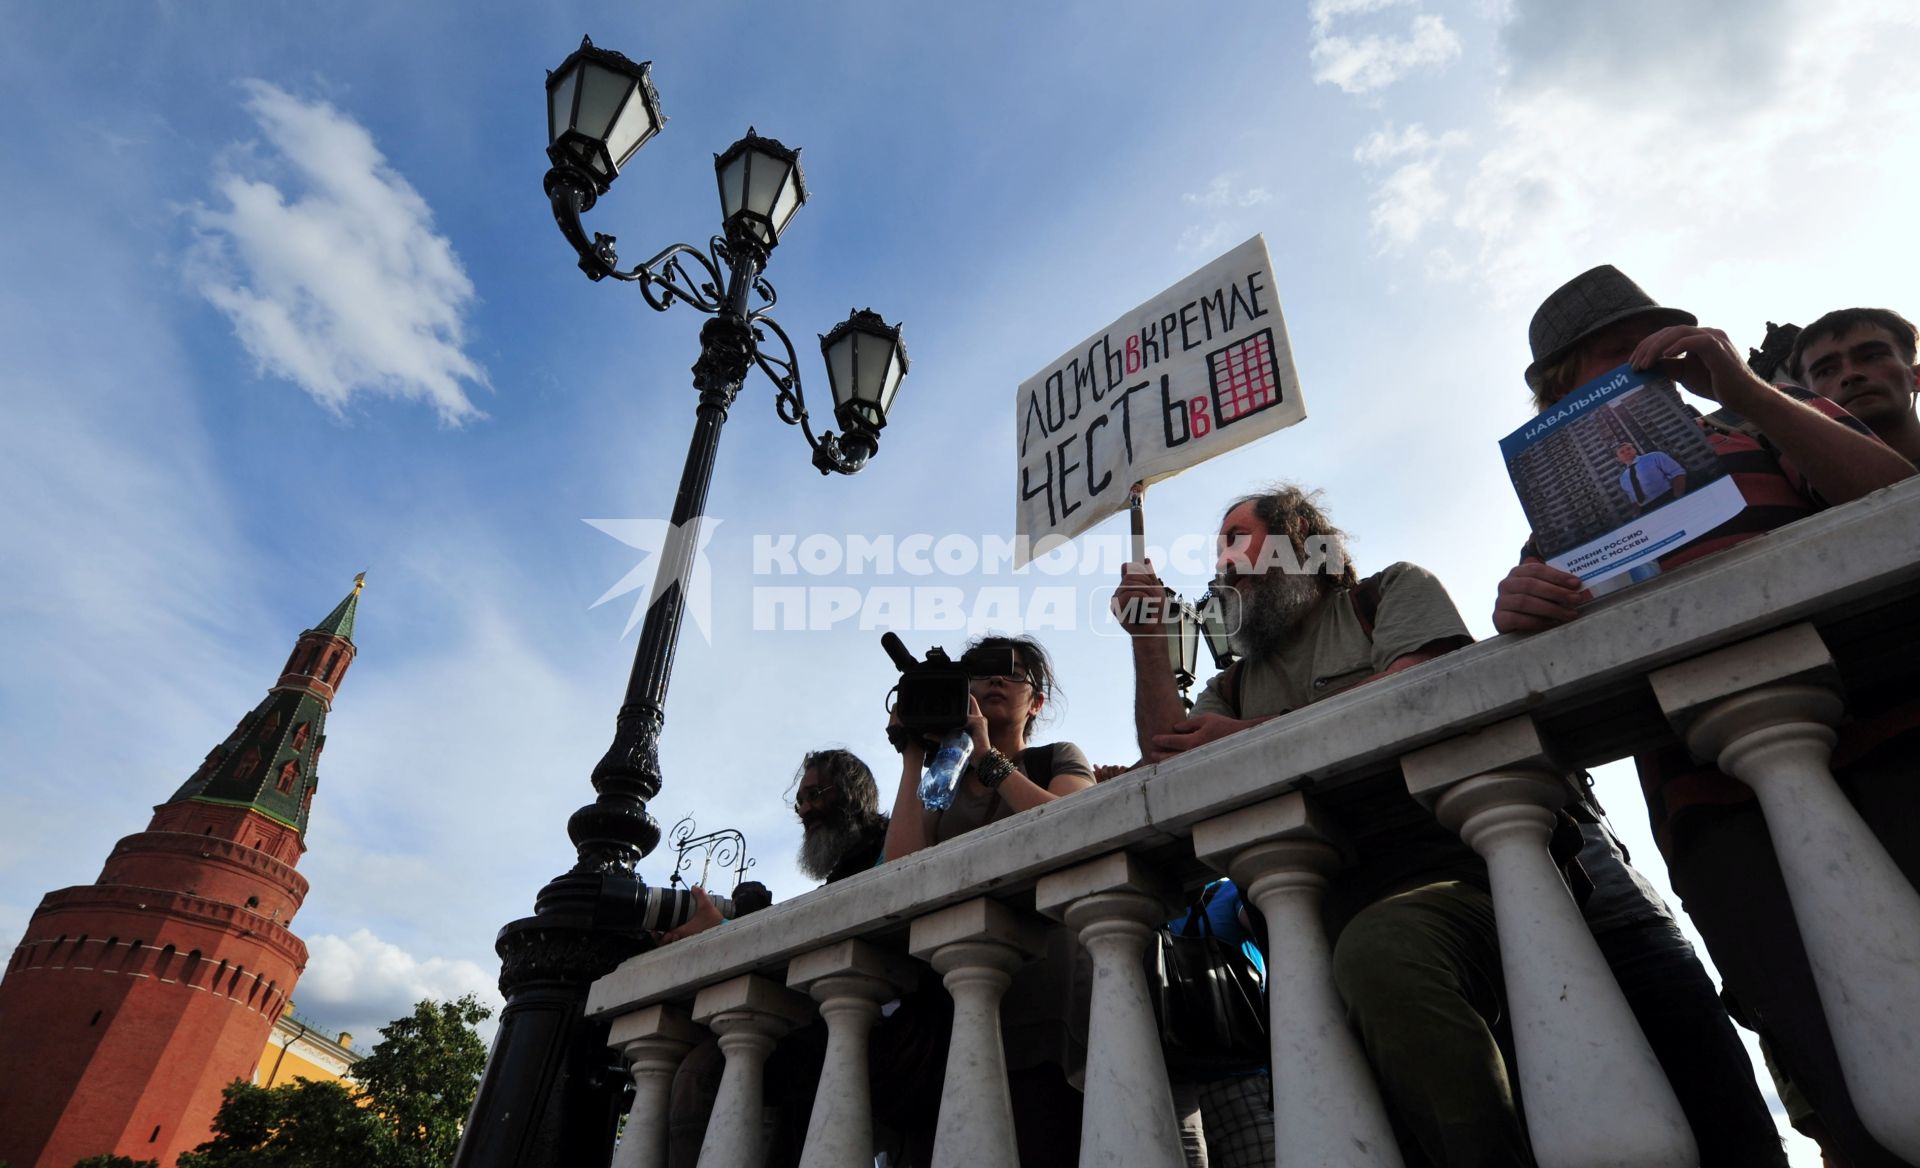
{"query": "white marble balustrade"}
[(1114, 904), (652, 1041), (849, 980), (1741, 651), (1326, 1109), (1583, 1061), (1764, 711), (748, 1014), (976, 946)]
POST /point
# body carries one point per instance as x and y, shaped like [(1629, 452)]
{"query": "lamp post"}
[(551, 1092)]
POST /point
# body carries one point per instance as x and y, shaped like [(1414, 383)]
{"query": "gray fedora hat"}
[(1583, 306)]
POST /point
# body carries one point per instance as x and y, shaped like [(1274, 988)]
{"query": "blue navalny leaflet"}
[(1615, 475), (1200, 369)]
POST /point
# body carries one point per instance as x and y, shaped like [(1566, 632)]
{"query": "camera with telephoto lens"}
[(629, 904), (931, 698)]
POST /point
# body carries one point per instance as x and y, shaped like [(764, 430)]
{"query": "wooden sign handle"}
[(1136, 498)]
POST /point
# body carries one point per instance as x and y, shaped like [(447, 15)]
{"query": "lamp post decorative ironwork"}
[(726, 847), (551, 1093)]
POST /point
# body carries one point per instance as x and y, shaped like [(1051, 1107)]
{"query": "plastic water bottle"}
[(943, 770)]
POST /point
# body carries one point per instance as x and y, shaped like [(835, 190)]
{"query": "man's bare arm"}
[(1156, 699), (1841, 463)]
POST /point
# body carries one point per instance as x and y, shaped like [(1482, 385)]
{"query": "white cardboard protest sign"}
[(1198, 370)]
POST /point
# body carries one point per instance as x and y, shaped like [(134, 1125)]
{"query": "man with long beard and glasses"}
[(1415, 954), (843, 833)]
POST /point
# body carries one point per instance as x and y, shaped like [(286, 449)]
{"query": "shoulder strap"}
[(1197, 923), (1036, 762), (1230, 686), (1365, 598)]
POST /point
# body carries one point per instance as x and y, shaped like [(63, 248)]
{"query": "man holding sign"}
[(1416, 956), (1199, 370)]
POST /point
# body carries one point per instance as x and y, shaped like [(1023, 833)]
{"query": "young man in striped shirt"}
[(1863, 360), (1790, 458)]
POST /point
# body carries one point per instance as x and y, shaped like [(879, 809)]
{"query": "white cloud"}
[(1202, 239), (1384, 145), (1653, 168), (1221, 194), (359, 983), (334, 278), (1222, 198), (1726, 57), (1405, 202), (1411, 197), (1368, 63), (1324, 12)]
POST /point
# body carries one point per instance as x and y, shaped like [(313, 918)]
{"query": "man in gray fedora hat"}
[(1789, 457), (1806, 454)]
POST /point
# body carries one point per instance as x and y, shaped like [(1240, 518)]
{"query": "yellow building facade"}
[(296, 1049)]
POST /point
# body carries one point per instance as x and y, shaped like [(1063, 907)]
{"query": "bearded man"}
[(844, 831), (1415, 957), (839, 808), (842, 828)]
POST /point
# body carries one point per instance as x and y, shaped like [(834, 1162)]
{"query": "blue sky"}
[(284, 302)]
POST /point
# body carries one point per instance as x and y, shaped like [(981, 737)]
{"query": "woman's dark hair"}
[(1033, 661), (844, 770)]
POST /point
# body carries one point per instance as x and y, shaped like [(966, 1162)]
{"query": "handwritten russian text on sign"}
[(1200, 369)]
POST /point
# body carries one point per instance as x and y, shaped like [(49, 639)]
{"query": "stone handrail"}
[(1471, 732)]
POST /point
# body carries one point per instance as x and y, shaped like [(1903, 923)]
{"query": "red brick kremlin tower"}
[(132, 1001)]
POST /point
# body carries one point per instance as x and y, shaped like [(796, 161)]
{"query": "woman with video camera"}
[(1043, 1015), (1004, 774)]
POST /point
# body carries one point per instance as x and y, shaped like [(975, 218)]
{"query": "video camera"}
[(931, 698)]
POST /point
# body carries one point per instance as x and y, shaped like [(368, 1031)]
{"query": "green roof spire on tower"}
[(268, 762), (339, 622)]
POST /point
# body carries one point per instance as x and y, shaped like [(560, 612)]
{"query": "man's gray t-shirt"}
[(1398, 842), (1332, 651)]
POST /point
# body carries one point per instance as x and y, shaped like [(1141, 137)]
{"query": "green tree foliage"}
[(105, 1160), (422, 1077), (404, 1108), (302, 1124)]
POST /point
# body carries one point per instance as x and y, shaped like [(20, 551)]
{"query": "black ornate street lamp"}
[(550, 1096)]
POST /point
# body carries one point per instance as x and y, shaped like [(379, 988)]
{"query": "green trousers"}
[(1420, 974)]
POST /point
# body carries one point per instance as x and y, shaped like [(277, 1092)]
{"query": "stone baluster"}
[(1584, 1063), (976, 945), (1115, 903), (1763, 711), (849, 980), (653, 1041), (749, 1014), (1327, 1111)]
